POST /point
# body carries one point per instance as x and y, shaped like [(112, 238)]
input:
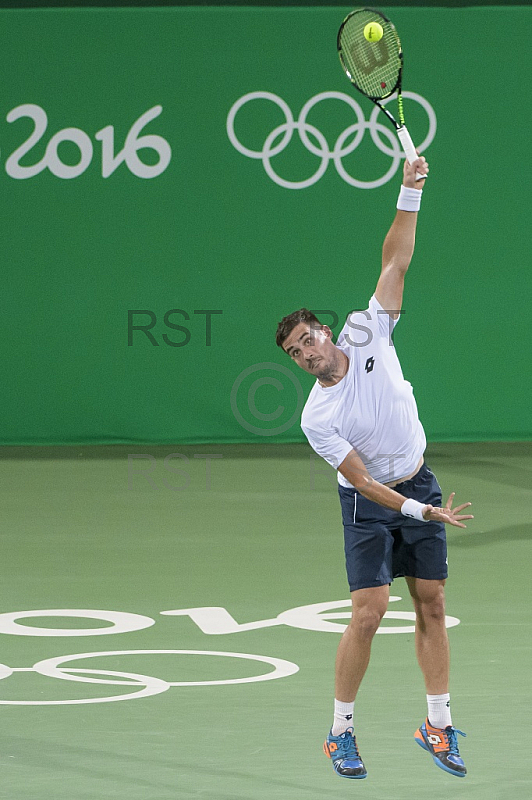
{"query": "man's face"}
[(311, 348)]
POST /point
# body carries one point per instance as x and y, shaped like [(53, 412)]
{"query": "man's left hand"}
[(449, 515)]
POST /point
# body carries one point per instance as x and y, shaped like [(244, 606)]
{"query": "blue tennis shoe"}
[(442, 744), (343, 752)]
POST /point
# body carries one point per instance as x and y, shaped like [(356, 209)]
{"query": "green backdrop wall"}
[(195, 236)]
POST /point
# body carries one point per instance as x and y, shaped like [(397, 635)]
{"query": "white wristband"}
[(409, 199), (411, 508)]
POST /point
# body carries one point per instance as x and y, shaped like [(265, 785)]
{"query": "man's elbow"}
[(398, 266), (359, 478), (364, 485)]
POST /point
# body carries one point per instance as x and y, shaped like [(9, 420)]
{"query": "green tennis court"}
[(84, 530)]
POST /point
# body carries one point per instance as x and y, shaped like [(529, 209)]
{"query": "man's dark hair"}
[(287, 324)]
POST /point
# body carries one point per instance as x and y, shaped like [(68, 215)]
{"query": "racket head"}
[(374, 68)]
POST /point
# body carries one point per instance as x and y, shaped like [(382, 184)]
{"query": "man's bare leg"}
[(369, 606), (432, 649), (432, 642), (352, 660)]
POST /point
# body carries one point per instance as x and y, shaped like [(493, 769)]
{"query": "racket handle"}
[(408, 147)]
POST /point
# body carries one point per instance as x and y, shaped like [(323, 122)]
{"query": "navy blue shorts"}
[(381, 544)]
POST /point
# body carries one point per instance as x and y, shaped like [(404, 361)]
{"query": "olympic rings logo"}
[(142, 685), (342, 146)]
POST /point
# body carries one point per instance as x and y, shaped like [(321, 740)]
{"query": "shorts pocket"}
[(348, 501)]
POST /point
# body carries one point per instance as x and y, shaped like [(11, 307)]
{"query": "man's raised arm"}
[(398, 246)]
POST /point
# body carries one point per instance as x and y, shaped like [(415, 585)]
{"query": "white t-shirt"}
[(372, 408)]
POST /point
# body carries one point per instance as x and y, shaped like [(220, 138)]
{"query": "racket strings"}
[(374, 67)]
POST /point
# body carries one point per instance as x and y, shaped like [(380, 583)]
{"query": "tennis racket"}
[(375, 68)]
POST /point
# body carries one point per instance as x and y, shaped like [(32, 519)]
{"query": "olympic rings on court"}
[(340, 149), (148, 685)]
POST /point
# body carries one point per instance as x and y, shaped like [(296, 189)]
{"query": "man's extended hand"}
[(449, 515), (409, 173)]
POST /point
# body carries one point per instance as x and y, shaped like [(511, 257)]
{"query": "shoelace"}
[(452, 739), (348, 745)]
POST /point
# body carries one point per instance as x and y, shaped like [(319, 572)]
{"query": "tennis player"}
[(361, 417)]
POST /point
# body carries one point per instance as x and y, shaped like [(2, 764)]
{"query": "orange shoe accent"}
[(436, 737), (328, 749)]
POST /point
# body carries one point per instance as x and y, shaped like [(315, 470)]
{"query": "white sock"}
[(343, 717), (439, 710)]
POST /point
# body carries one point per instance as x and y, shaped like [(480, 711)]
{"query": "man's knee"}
[(369, 607), (428, 598), (431, 609), (366, 620)]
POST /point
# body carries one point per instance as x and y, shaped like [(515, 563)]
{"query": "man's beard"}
[(332, 371), (327, 372)]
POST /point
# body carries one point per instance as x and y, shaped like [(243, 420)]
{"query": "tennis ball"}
[(373, 32)]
